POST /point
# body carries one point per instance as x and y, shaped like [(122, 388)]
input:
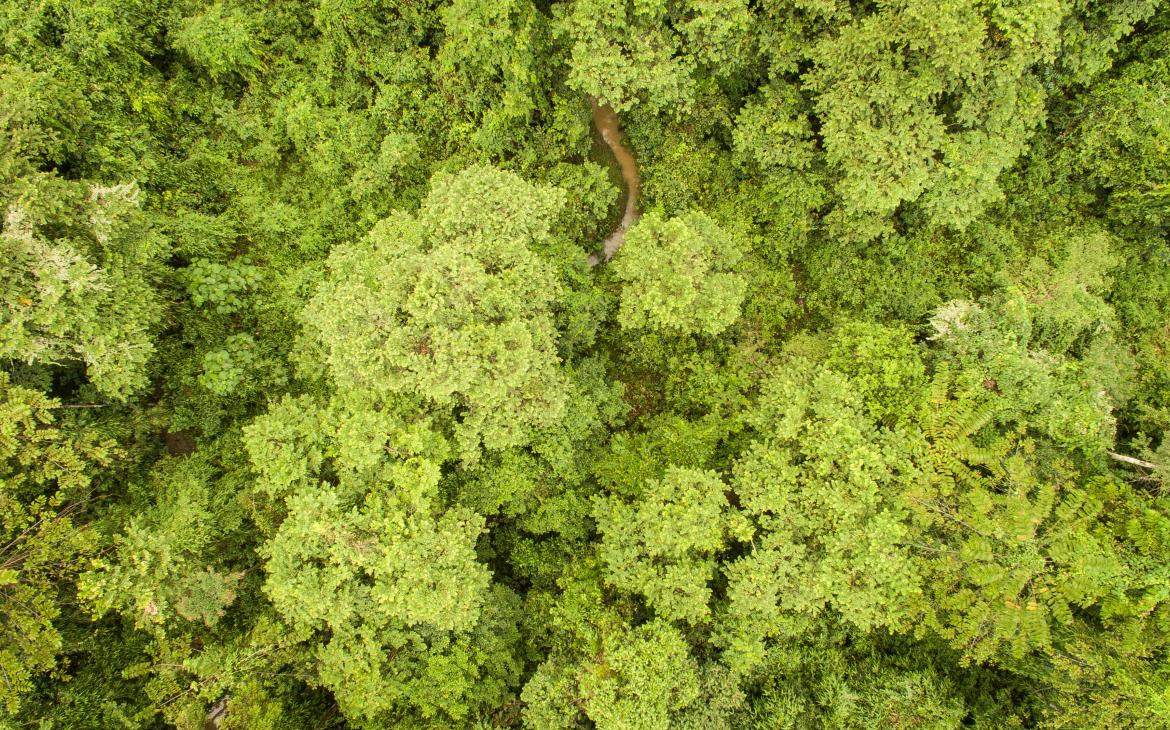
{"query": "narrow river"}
[(605, 119)]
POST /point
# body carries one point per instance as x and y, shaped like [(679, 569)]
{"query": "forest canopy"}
[(322, 404)]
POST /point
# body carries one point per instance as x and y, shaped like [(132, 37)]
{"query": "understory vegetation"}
[(314, 412)]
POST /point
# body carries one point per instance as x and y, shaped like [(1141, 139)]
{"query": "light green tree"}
[(677, 276), (642, 676), (878, 81), (452, 308), (372, 574), (639, 679), (823, 485), (86, 298), (489, 66), (649, 53), (664, 544), (46, 472), (161, 571)]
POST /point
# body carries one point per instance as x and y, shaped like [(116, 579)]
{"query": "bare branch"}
[(1135, 462)]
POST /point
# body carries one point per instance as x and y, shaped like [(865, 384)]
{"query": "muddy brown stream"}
[(605, 119)]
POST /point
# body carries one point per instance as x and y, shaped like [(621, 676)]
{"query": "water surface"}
[(607, 124)]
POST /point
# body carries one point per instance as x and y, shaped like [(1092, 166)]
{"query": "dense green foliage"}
[(313, 414)]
